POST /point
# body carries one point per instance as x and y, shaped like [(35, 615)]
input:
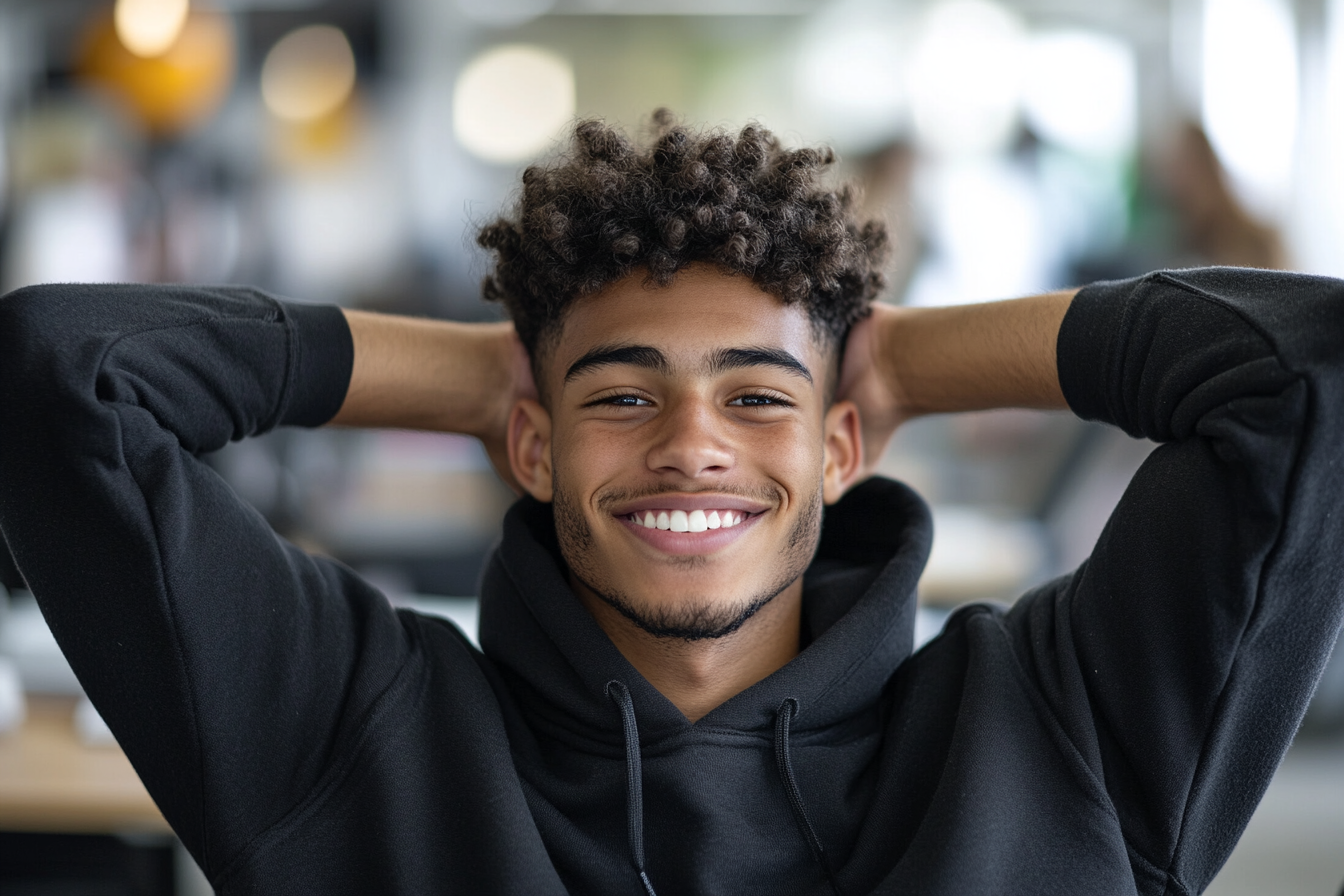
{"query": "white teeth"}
[(684, 521)]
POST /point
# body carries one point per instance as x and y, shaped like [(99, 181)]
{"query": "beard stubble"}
[(694, 618)]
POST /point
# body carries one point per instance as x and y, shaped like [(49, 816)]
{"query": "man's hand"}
[(520, 385), (868, 378), (902, 363), (899, 363), (411, 373)]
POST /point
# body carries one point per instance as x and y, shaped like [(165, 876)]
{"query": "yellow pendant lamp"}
[(169, 65)]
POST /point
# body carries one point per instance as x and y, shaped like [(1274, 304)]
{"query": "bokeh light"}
[(510, 102), (850, 72), (1334, 103), (1334, 84), (1250, 99), (149, 28), (1081, 91), (1320, 181), (174, 91), (308, 74), (965, 77)]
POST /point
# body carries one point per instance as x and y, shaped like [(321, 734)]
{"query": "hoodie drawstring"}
[(787, 710), (634, 784), (634, 780)]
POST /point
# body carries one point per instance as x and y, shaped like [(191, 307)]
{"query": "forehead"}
[(703, 309)]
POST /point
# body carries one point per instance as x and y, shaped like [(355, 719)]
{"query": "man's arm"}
[(411, 373), (231, 666), (1179, 658), (902, 363)]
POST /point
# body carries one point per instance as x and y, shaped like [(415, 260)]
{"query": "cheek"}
[(791, 455), (587, 458)]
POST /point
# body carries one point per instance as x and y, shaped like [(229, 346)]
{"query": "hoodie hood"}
[(858, 619)]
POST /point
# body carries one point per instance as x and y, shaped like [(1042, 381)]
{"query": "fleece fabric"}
[(1110, 733)]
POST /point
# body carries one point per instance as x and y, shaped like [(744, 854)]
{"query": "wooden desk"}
[(50, 781)]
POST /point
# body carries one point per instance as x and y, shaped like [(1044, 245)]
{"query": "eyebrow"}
[(722, 360), (757, 356), (633, 355)]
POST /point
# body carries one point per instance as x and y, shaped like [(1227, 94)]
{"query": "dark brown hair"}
[(608, 207)]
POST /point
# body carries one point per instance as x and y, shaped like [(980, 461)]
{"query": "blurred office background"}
[(344, 151)]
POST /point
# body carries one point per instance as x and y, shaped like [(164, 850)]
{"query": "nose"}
[(691, 441)]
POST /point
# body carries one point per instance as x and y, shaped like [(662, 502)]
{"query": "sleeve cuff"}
[(323, 358), (1083, 351)]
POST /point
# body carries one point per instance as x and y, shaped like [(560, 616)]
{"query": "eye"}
[(619, 400), (761, 400)]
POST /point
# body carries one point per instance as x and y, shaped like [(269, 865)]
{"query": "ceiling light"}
[(850, 72), (1094, 110), (509, 103), (173, 92), (149, 28), (308, 74), (965, 77), (1250, 95)]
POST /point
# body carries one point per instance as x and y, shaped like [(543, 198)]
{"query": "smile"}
[(683, 521), (691, 524)]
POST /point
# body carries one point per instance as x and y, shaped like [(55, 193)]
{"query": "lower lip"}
[(690, 543)]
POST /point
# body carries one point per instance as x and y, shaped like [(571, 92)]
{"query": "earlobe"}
[(530, 448), (842, 461)]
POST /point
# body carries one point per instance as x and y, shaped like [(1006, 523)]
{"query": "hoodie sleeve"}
[(207, 643), (1181, 656)]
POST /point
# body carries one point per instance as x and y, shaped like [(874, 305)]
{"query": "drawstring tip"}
[(634, 779)]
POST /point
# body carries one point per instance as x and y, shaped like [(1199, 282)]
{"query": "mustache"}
[(764, 494)]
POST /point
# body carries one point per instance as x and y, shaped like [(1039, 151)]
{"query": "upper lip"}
[(693, 501)]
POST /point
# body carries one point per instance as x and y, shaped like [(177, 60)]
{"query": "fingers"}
[(524, 384), (858, 358)]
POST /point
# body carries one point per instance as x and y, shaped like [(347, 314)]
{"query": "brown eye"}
[(760, 400), (620, 400)]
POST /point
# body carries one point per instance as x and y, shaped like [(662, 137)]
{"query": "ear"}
[(842, 461), (530, 448)]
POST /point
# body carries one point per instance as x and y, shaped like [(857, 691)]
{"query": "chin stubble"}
[(695, 619)]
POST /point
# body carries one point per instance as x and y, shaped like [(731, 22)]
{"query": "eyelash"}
[(766, 398), (617, 399), (626, 399), (623, 401)]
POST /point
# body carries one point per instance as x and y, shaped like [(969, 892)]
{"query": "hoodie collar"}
[(858, 618)]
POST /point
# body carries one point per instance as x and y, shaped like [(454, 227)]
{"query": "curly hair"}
[(747, 205)]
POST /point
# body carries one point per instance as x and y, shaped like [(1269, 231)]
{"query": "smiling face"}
[(688, 449)]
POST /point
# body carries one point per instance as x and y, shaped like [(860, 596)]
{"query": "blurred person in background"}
[(696, 671), (1215, 226)]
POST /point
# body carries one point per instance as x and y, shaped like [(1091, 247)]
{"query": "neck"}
[(697, 676)]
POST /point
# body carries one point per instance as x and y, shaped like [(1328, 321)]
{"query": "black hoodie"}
[(1110, 733)]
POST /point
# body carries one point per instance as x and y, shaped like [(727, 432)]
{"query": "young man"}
[(697, 671)]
